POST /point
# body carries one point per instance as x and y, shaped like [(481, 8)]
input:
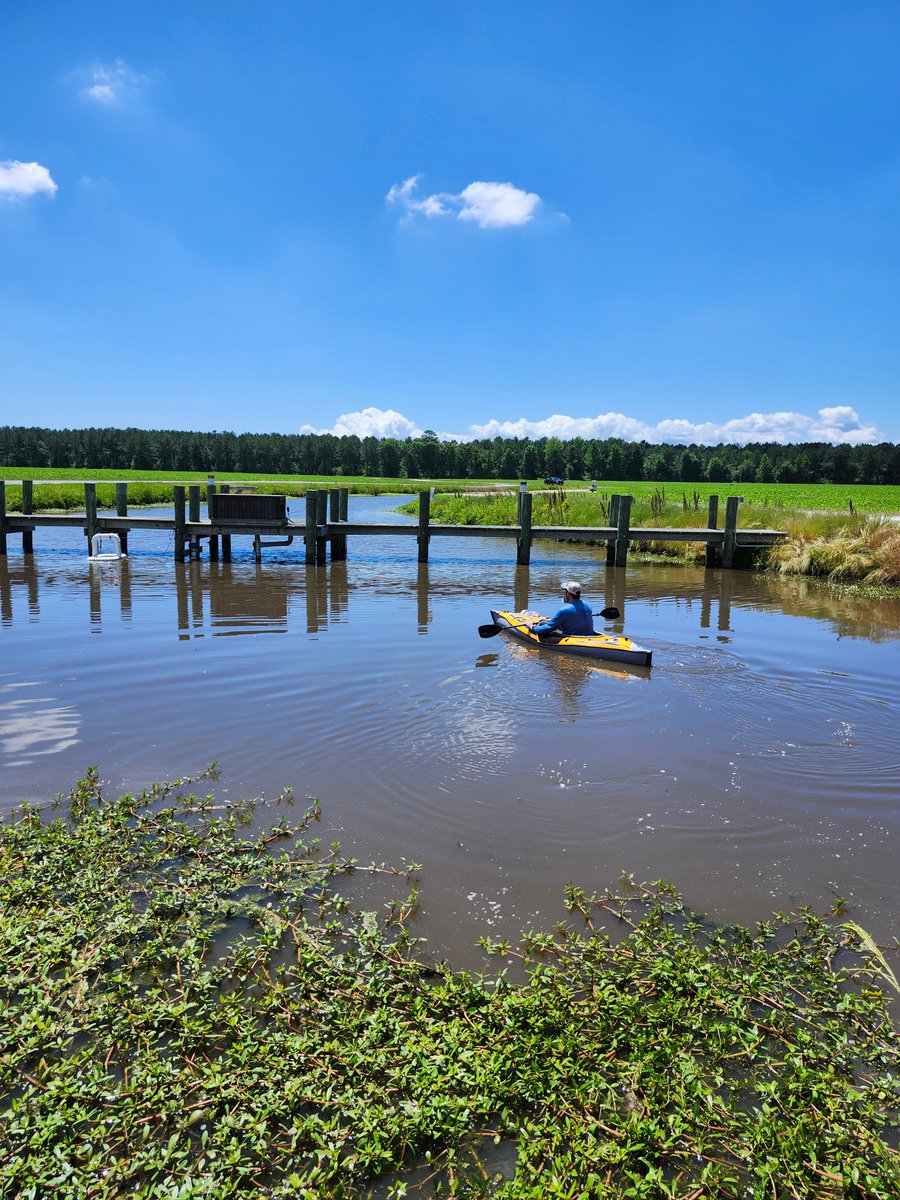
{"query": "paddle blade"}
[(610, 614), (488, 630)]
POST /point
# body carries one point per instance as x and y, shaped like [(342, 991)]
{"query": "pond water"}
[(755, 766)]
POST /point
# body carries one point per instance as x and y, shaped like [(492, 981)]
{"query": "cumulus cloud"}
[(488, 205), (838, 425), (111, 84), (18, 180)]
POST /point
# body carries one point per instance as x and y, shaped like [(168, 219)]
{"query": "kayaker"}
[(574, 619)]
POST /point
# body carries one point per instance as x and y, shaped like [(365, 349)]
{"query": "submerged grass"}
[(190, 1009)]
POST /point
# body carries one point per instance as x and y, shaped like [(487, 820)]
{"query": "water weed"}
[(192, 1007)]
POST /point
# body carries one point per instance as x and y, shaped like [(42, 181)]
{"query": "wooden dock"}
[(326, 526)]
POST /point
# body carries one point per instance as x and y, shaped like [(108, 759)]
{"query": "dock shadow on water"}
[(754, 764)]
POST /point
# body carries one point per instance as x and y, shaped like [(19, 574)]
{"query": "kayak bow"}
[(611, 646)]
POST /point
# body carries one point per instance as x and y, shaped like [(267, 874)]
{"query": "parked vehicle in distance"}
[(554, 481)]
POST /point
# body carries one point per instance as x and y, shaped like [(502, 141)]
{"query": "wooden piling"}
[(321, 524), (345, 503), (194, 515), (731, 515), (423, 536), (90, 512), (226, 537), (179, 531), (122, 511), (3, 518), (338, 540), (310, 535), (213, 537), (27, 509), (622, 526), (523, 543), (712, 515), (613, 521)]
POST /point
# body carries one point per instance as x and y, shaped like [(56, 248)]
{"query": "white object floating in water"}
[(105, 547)]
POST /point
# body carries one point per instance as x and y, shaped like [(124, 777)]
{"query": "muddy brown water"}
[(755, 766)]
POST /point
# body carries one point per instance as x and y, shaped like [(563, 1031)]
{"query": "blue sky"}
[(671, 221)]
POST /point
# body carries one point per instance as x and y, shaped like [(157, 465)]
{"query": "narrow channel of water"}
[(755, 765)]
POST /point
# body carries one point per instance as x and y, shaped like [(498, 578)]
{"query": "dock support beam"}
[(3, 518), (27, 509), (731, 515), (178, 497), (613, 520), (622, 527), (122, 511), (423, 536), (712, 515), (523, 544), (90, 512)]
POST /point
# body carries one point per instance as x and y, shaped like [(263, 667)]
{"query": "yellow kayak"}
[(611, 646)]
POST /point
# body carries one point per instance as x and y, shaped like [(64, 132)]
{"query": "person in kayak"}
[(574, 619)]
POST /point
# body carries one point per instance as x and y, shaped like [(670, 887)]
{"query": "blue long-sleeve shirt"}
[(573, 619)]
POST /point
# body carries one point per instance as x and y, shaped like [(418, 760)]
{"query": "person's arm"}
[(550, 626)]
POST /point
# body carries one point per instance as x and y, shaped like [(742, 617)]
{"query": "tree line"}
[(427, 457)]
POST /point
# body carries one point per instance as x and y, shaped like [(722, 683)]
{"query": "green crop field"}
[(820, 497)]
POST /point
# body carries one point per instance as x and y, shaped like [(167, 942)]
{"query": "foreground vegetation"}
[(190, 1008)]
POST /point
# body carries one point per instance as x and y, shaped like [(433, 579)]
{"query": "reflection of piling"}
[(614, 590), (5, 595), (340, 590), (724, 602), (521, 588), (181, 603), (196, 593), (94, 592), (316, 598), (423, 612), (125, 589)]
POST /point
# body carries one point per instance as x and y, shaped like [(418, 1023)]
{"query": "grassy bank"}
[(839, 546), (190, 1009)]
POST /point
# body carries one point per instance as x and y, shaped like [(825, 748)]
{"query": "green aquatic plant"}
[(193, 1006)]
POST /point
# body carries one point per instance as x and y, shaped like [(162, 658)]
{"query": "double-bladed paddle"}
[(486, 631)]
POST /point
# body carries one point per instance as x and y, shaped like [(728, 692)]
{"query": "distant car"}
[(554, 481)]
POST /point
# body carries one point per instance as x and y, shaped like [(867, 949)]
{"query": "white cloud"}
[(113, 84), (837, 425), (489, 205), (19, 180), (370, 422)]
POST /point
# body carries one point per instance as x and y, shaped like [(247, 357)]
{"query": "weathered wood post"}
[(338, 540), (310, 535), (622, 527), (345, 503), (226, 537), (213, 537), (712, 515), (731, 515), (613, 522), (122, 511), (27, 509), (3, 517), (194, 516), (321, 524), (523, 544), (179, 532), (90, 512), (423, 535)]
